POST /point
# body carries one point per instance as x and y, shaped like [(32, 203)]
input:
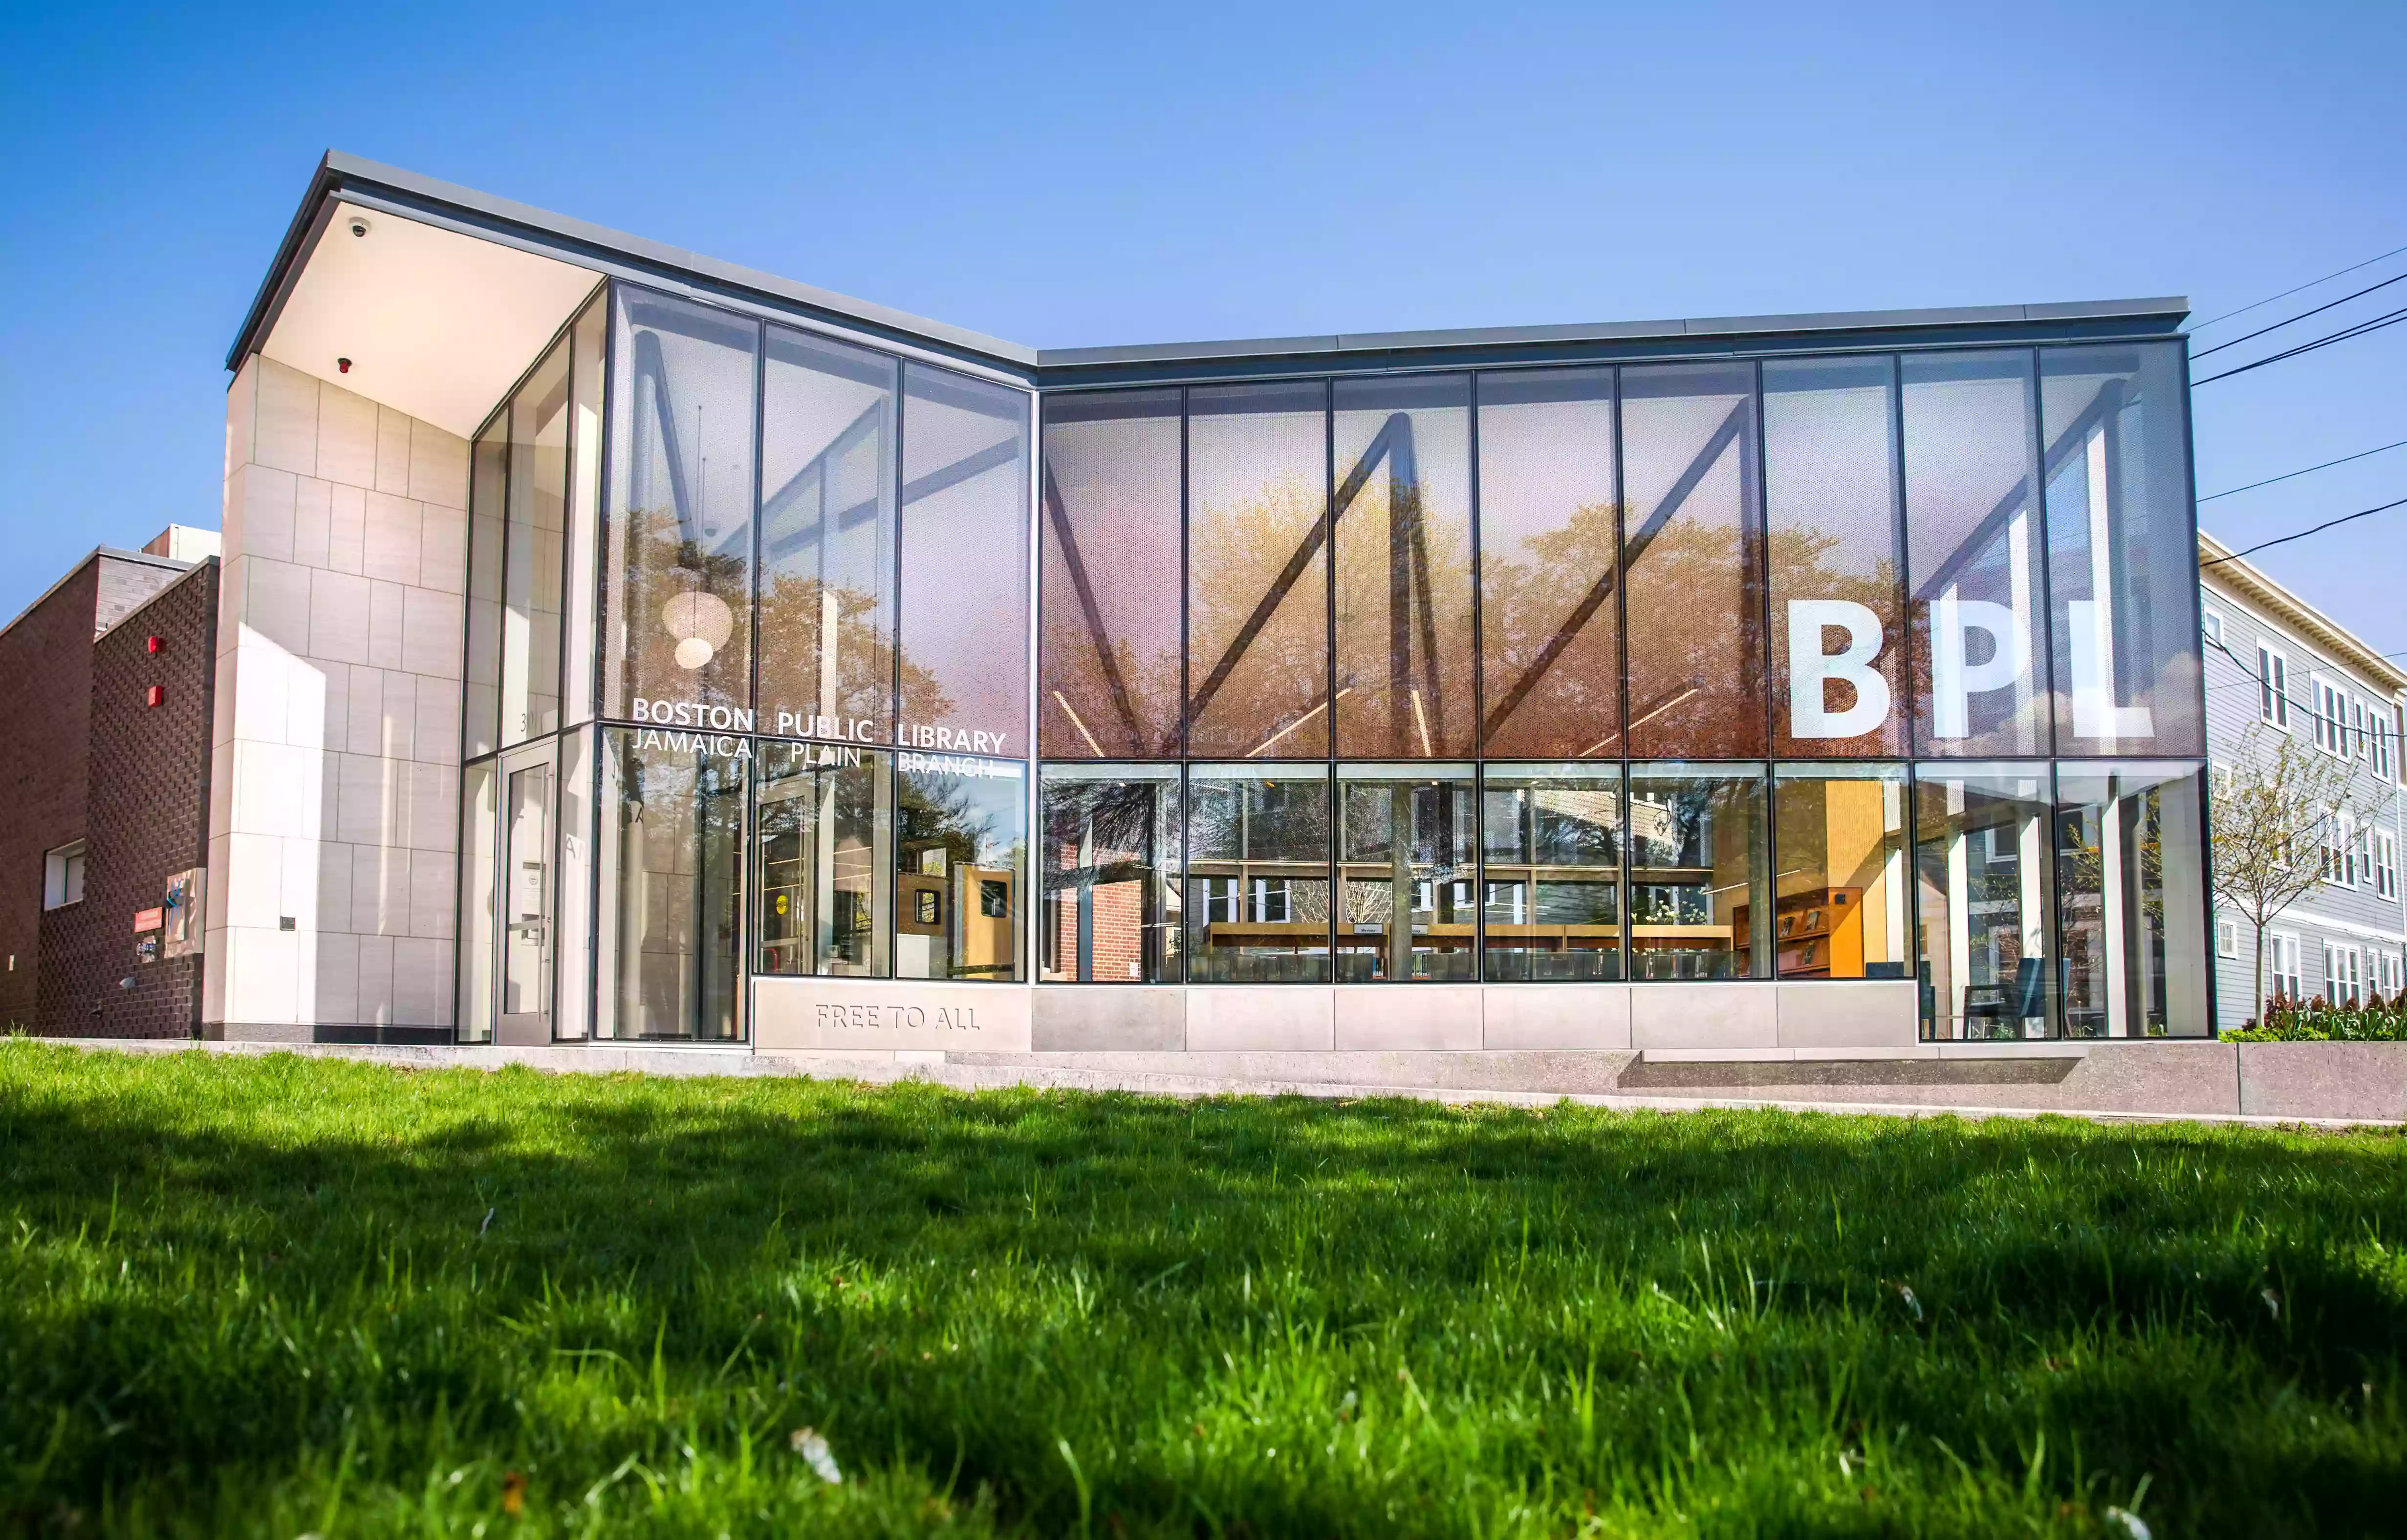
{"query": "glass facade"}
[(1113, 856), (1849, 666)]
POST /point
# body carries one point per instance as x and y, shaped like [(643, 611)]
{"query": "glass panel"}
[(672, 886), (1973, 554), (1111, 858), (1404, 642), (1109, 606), (1258, 874), (964, 599), (1256, 575), (1697, 873), (2122, 575), (1550, 622), (1693, 548), (488, 494), (824, 843), (1839, 907), (2130, 872), (678, 542), (827, 541), (572, 898), (961, 851), (1406, 845), (1838, 620), (1552, 838), (1981, 884), (479, 836), (588, 337), (535, 547), (526, 898)]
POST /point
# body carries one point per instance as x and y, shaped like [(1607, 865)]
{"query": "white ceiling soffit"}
[(436, 324)]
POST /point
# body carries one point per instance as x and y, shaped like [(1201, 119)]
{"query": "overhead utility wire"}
[(2301, 289), (2302, 314), (2310, 470), (2303, 534), (2361, 329)]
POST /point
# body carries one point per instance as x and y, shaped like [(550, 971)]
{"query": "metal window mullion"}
[(1478, 715), (1621, 648)]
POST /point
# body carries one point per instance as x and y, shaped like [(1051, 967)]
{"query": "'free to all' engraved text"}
[(898, 1018)]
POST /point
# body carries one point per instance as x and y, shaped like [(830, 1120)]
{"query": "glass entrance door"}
[(525, 892)]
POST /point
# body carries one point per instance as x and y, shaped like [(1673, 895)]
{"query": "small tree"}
[(2269, 819)]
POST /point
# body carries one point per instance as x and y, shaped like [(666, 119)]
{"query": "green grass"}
[(278, 1295)]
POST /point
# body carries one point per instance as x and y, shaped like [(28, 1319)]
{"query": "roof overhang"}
[(2217, 564), (314, 290)]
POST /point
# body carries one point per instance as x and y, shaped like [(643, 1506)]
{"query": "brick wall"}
[(44, 726), (144, 820)]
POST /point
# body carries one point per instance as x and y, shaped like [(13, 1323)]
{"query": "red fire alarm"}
[(155, 643), (156, 696)]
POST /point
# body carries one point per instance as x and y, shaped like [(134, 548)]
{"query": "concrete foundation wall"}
[(2262, 1082)]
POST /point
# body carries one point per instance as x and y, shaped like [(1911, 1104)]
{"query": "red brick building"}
[(106, 683)]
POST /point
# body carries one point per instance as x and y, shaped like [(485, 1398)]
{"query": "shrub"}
[(2286, 1020)]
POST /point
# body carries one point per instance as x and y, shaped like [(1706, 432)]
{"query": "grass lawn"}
[(276, 1295)]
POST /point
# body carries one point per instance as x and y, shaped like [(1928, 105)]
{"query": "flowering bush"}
[(2318, 1020)]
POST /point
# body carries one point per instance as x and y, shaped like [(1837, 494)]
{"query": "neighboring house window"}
[(2326, 702), (62, 876), (2382, 746), (2227, 936), (2327, 843), (2273, 687), (2283, 964), (2341, 976), (2212, 624), (2385, 864)]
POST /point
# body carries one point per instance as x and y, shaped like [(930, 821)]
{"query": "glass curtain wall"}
[(1113, 849), (960, 856), (2132, 907), (678, 523), (1258, 873), (828, 536), (1258, 570), (1975, 562), (1692, 545), (1407, 869), (532, 492), (1840, 896), (535, 551), (1699, 880), (672, 881), (1549, 565), (1551, 841), (1983, 893), (823, 837), (1835, 551), (1401, 507), (963, 680), (2122, 574), (1110, 599)]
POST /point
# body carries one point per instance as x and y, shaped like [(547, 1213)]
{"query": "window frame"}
[(2272, 686), (65, 874)]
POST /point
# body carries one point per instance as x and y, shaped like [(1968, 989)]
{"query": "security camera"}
[(359, 226)]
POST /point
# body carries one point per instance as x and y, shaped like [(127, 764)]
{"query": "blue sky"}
[(1114, 174)]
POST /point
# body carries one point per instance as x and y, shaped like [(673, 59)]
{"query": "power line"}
[(2361, 329), (2287, 476), (2247, 336), (2303, 534), (2301, 289)]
